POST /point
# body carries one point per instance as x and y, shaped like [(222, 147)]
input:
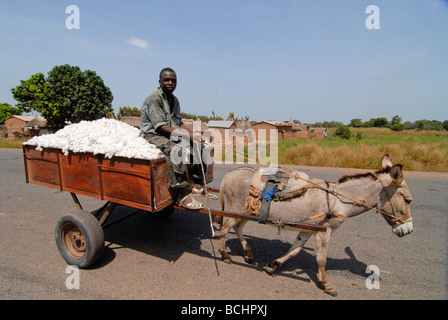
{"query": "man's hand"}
[(197, 136)]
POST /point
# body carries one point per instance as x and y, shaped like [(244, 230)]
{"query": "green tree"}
[(130, 112), (369, 124), (67, 95), (76, 95), (395, 120), (6, 111), (231, 117), (381, 123), (31, 93), (343, 132), (396, 125), (355, 123), (429, 125)]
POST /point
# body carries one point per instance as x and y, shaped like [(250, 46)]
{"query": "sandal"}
[(193, 205), (207, 193)]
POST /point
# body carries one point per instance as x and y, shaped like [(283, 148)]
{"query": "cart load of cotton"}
[(104, 136)]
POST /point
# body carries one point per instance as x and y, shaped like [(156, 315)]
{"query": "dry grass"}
[(416, 151)]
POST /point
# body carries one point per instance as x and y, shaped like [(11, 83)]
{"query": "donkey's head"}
[(395, 198)]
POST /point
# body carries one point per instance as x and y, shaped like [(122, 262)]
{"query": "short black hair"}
[(165, 70)]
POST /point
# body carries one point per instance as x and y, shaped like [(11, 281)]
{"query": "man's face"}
[(168, 81)]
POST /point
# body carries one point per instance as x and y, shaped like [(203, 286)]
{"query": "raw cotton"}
[(104, 136)]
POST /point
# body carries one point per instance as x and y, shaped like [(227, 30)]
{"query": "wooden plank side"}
[(41, 167), (80, 174), (133, 182), (161, 192), (126, 181)]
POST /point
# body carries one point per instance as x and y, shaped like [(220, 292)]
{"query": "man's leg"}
[(177, 172)]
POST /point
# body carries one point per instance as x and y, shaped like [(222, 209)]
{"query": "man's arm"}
[(167, 131)]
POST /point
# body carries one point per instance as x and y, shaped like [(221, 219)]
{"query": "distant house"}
[(284, 130), (221, 124), (37, 126), (132, 121), (18, 125), (192, 125)]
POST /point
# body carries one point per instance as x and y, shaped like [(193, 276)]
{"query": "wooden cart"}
[(141, 184)]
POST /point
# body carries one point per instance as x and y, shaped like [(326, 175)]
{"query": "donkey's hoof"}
[(330, 290), (270, 269), (249, 260), (225, 257), (332, 293)]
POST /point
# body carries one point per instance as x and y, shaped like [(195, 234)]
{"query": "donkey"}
[(325, 204)]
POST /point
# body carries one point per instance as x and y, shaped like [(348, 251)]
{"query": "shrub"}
[(343, 132), (397, 127)]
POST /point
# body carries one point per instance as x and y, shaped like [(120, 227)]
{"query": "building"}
[(132, 121), (221, 125), (192, 125), (16, 126), (37, 126), (283, 130)]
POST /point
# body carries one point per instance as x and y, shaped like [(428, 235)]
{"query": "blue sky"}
[(269, 60)]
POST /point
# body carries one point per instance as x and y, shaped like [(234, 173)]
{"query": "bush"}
[(397, 127), (343, 132)]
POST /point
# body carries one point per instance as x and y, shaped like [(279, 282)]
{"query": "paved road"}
[(147, 258)]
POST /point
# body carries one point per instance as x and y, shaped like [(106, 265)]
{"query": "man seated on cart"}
[(160, 124)]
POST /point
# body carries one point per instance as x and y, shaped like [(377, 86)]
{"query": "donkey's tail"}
[(218, 219)]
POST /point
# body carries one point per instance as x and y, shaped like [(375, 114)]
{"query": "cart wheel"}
[(79, 238)]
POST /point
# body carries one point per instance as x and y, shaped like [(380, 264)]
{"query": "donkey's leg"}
[(248, 256), (224, 228), (322, 239), (298, 244)]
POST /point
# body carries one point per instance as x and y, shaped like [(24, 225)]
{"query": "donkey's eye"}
[(408, 200)]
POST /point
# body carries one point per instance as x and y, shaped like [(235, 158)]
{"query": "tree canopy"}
[(6, 111), (66, 95)]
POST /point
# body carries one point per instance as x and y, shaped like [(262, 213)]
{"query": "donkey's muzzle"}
[(404, 229)]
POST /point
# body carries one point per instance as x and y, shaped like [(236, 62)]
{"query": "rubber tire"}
[(92, 233)]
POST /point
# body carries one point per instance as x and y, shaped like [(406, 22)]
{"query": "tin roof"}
[(220, 124)]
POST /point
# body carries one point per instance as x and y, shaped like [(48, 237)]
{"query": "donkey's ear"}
[(397, 174), (385, 162)]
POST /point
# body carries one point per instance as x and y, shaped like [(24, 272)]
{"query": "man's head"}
[(168, 80)]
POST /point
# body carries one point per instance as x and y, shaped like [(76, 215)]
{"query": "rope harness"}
[(360, 202), (268, 194)]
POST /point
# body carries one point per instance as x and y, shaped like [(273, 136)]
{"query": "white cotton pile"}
[(104, 136)]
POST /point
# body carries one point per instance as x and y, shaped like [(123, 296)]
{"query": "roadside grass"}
[(12, 143), (415, 150)]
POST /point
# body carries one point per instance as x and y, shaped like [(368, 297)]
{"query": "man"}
[(160, 125)]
